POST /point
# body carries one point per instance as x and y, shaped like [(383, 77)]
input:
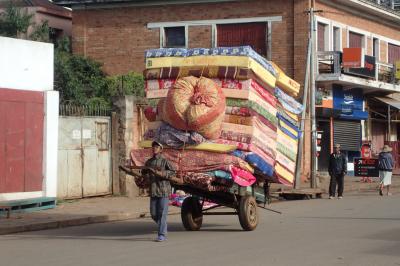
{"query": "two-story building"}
[(353, 106)]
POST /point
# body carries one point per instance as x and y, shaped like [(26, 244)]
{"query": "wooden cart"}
[(243, 200)]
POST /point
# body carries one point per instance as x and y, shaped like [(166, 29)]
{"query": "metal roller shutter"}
[(347, 134)]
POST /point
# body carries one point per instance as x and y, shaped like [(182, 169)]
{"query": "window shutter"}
[(321, 37), (393, 53), (252, 34), (347, 134), (355, 40)]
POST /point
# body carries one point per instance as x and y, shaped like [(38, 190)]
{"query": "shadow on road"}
[(144, 230)]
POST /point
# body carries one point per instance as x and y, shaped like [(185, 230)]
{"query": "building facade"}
[(117, 33), (58, 18)]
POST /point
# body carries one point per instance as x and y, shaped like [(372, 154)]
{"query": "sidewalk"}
[(107, 209), (79, 212)]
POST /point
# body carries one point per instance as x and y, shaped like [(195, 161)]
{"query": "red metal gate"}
[(21, 140)]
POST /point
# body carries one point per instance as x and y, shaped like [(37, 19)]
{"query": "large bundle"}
[(222, 104)]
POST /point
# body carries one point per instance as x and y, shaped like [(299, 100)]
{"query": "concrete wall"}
[(129, 133)]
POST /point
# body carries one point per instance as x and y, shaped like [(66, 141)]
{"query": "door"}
[(21, 141), (324, 129), (84, 167)]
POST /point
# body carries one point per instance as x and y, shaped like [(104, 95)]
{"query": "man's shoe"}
[(340, 197), (331, 197), (161, 239)]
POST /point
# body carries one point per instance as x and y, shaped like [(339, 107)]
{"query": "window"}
[(393, 53), (336, 39), (323, 39), (174, 37), (252, 34), (55, 35), (375, 49), (356, 40)]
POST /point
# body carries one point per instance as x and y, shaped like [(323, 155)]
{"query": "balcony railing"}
[(330, 65), (391, 4)]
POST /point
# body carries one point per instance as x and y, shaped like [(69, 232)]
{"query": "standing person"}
[(159, 171), (385, 169), (337, 170)]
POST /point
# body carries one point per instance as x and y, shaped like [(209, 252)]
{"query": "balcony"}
[(330, 70), (390, 4)]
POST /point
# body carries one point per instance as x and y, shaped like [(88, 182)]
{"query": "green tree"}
[(15, 23)]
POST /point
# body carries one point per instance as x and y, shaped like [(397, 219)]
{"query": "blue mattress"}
[(229, 51), (256, 161), (288, 102)]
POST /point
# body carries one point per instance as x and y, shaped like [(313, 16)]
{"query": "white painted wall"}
[(50, 149), (26, 65)]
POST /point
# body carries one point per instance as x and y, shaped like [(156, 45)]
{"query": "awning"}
[(389, 101)]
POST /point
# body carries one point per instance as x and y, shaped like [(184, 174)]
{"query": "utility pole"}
[(312, 98), (303, 117)]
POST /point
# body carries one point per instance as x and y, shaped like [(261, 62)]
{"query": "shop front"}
[(340, 117)]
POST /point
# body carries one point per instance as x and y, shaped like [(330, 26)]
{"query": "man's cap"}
[(386, 148), (156, 143)]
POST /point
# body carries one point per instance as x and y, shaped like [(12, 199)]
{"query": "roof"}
[(389, 101), (70, 3), (45, 5)]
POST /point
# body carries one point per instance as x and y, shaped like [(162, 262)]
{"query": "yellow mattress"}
[(286, 83), (220, 60), (229, 93), (282, 172), (213, 147)]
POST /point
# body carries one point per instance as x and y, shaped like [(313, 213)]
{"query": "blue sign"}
[(349, 103)]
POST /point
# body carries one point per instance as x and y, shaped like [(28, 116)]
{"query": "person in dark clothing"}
[(385, 169), (159, 171), (337, 170)]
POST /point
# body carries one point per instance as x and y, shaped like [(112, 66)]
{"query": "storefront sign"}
[(353, 57), (366, 167), (367, 71), (349, 103)]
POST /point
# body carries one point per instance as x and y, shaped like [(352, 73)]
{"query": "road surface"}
[(357, 230)]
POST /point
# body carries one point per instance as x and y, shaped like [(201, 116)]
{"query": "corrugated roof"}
[(389, 101)]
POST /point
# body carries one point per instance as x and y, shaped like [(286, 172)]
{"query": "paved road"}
[(358, 230)]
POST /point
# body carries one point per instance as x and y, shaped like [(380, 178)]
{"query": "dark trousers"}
[(339, 180), (159, 213)]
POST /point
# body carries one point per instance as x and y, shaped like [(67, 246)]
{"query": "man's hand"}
[(158, 172)]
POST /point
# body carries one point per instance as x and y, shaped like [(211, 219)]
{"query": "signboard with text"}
[(353, 57), (366, 167)]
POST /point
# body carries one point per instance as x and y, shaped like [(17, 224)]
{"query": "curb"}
[(76, 222)]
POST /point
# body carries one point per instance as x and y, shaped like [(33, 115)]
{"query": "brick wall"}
[(200, 36), (119, 37), (366, 24)]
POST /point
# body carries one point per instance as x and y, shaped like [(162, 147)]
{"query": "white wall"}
[(50, 149), (26, 65)]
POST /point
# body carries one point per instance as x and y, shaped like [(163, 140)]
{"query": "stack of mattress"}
[(260, 124)]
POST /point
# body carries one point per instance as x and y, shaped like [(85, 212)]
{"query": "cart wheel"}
[(191, 214), (248, 213)]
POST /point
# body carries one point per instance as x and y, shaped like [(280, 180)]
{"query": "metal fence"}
[(83, 110)]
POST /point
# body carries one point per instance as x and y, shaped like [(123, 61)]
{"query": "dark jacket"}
[(337, 164), (385, 161), (159, 185)]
